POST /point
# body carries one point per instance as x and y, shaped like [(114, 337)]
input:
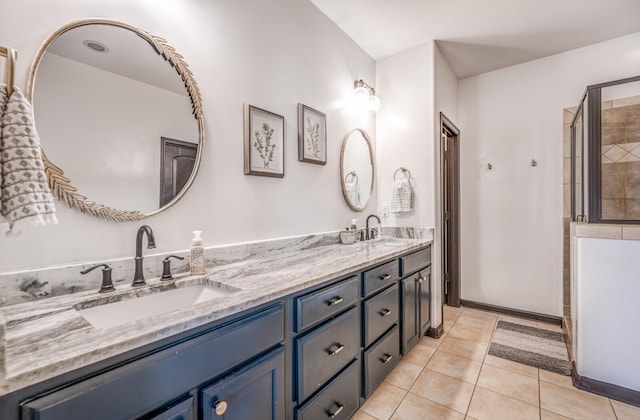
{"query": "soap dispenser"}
[(196, 263)]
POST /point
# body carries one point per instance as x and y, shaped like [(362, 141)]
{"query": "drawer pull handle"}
[(386, 359), (337, 350), (385, 312), (421, 279), (220, 407), (385, 277), (335, 300), (338, 411)]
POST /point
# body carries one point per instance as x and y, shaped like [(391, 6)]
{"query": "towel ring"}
[(352, 173), (11, 55), (403, 169)]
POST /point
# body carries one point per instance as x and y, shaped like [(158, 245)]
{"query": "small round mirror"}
[(357, 169)]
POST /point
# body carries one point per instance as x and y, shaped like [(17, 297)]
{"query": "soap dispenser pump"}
[(196, 263)]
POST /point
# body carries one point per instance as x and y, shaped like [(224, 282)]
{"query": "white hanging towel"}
[(353, 192), (25, 198), (401, 196)]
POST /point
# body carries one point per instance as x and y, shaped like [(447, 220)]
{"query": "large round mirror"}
[(357, 170), (119, 117)]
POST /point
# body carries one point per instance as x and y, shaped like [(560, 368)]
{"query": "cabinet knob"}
[(334, 300), (220, 407), (337, 350), (338, 410), (386, 359), (385, 312), (385, 277)]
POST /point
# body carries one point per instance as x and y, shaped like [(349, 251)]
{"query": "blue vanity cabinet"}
[(149, 386), (415, 297), (254, 392)]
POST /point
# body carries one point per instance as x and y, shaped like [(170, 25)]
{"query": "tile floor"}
[(455, 378)]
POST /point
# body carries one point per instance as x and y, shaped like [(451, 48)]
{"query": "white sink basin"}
[(112, 314)]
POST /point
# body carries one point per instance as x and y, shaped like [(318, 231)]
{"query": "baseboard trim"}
[(605, 389), (556, 320), (436, 332)]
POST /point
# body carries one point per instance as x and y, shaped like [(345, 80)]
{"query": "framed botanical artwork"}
[(263, 142), (312, 135)]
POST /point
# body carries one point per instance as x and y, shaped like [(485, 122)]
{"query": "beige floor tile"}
[(444, 390), (479, 313), (573, 403), (447, 325), (476, 322), (555, 378), (361, 415), (625, 411), (384, 401), (470, 333), (450, 316), (474, 350), (549, 327), (414, 407), (511, 366), (431, 342), (515, 320), (491, 405), (419, 355), (550, 415), (447, 308), (404, 375), (455, 366), (510, 384), (469, 418)]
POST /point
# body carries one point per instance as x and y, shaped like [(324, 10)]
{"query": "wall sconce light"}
[(364, 96)]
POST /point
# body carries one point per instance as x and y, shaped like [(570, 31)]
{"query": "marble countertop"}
[(46, 338)]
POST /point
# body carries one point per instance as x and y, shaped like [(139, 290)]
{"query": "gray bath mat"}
[(531, 346)]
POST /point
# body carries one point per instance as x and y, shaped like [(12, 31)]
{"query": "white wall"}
[(512, 215), (405, 127), (269, 54), (116, 121), (607, 311)]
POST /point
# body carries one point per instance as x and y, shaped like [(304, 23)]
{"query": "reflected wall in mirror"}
[(105, 94), (357, 169)]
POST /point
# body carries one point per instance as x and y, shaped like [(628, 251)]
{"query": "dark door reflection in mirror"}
[(103, 96), (178, 158)]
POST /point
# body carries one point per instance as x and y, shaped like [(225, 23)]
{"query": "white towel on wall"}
[(353, 192), (401, 196), (25, 198)]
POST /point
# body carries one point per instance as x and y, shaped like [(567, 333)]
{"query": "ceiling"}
[(129, 55), (477, 36)]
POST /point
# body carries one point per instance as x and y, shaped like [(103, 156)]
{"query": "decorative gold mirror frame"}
[(60, 185), (365, 135)]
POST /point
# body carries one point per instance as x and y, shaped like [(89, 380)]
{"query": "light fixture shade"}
[(361, 97), (373, 104)]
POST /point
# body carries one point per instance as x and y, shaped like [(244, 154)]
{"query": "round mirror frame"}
[(365, 135), (61, 186)]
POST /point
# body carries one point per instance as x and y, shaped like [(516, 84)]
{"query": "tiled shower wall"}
[(621, 159)]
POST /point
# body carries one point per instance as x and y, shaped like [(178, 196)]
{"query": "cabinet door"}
[(184, 410), (425, 300), (254, 392), (410, 325)]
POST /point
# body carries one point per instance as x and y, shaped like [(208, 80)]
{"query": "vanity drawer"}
[(380, 277), (380, 360), (380, 313), (339, 400), (162, 376), (323, 352), (416, 261), (316, 306)]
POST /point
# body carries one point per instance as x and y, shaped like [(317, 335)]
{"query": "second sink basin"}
[(111, 314)]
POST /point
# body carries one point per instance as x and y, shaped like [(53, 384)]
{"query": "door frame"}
[(450, 237)]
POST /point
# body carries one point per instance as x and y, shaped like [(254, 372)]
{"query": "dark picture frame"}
[(264, 142), (312, 135)]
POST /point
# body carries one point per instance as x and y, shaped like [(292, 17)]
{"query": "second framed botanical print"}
[(312, 135), (263, 142)]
